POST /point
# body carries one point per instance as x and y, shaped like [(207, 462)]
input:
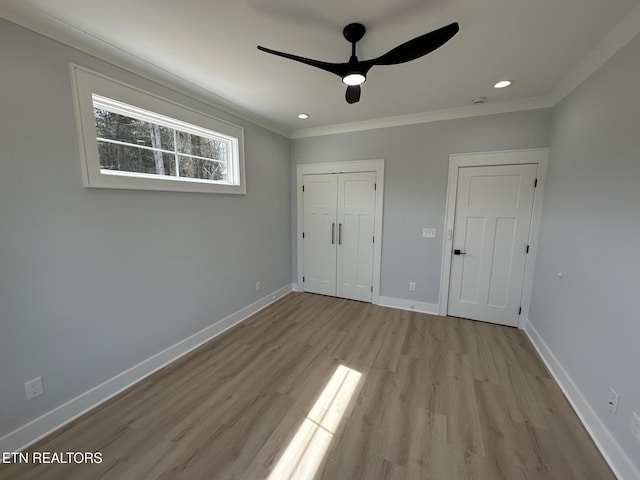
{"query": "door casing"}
[(377, 166), (538, 156)]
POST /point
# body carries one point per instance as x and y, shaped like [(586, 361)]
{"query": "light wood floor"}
[(324, 388)]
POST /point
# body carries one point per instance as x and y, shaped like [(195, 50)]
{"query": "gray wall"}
[(591, 232), (94, 281), (416, 170)]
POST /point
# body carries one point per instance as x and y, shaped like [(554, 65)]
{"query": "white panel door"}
[(320, 233), (491, 231), (356, 214)]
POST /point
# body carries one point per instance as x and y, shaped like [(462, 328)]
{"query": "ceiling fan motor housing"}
[(354, 32)]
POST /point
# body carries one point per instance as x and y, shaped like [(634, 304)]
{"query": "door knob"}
[(458, 252)]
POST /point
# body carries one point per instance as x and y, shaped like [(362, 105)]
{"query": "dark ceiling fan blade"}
[(349, 72), (353, 93), (339, 69), (417, 47)]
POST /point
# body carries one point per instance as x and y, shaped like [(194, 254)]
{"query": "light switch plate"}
[(429, 232)]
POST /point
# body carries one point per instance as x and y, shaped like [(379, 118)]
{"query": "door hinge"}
[(520, 311), (302, 234), (375, 186), (371, 288), (302, 279), (527, 248), (535, 184), (374, 239), (303, 188)]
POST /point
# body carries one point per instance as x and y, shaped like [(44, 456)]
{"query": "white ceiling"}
[(544, 46)]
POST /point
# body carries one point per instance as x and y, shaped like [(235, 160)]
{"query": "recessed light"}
[(502, 84), (303, 116)]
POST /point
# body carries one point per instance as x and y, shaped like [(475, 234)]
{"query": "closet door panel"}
[(355, 214), (320, 233)]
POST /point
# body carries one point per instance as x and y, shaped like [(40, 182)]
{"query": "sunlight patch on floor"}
[(307, 449)]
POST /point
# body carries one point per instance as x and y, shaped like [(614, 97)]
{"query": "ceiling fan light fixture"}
[(355, 78), (502, 84)]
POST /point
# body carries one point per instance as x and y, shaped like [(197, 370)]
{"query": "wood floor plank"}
[(478, 344), (410, 381), (525, 353), (506, 441), (568, 432), (266, 459), (391, 471), (356, 453), (417, 333), (464, 430), (321, 388), (393, 341), (229, 448), (428, 434)]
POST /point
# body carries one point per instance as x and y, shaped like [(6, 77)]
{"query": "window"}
[(132, 139), (135, 142)]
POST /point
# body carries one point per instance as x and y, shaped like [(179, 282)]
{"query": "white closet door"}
[(320, 233), (356, 214)]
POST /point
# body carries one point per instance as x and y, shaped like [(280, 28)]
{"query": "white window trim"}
[(85, 83)]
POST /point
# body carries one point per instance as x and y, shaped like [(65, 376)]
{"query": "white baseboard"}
[(49, 422), (402, 304), (615, 456)]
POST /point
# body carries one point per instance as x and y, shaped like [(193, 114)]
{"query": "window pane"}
[(126, 158), (191, 167), (114, 126), (140, 144), (202, 147)]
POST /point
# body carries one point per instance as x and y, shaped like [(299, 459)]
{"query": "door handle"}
[(339, 234), (458, 252), (333, 234)]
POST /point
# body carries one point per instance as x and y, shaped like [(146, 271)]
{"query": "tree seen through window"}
[(128, 144)]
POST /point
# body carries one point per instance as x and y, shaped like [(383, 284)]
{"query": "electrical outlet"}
[(635, 426), (258, 287), (613, 400), (412, 286), (34, 388)]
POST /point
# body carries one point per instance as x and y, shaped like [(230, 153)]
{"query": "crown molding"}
[(612, 43), (56, 29), (518, 105)]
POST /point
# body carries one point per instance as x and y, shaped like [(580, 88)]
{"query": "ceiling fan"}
[(354, 72)]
